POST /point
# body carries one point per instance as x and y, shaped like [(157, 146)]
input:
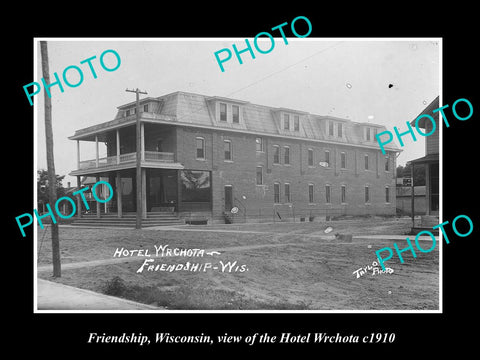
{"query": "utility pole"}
[(138, 224), (52, 180)]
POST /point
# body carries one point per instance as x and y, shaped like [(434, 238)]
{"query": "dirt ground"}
[(286, 266)]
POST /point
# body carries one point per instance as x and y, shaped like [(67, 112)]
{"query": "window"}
[(327, 194), (195, 186), (259, 175), (344, 194), (343, 160), (366, 162), (327, 157), (387, 194), (276, 193), (310, 193), (387, 163), (276, 154), (223, 112), (145, 108), (286, 155), (227, 145), (367, 195), (287, 193), (367, 134), (310, 157), (286, 121), (296, 123), (330, 128), (235, 114), (200, 147), (127, 112), (374, 133), (339, 130), (259, 144)]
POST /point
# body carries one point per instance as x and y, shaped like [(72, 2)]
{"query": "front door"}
[(228, 197)]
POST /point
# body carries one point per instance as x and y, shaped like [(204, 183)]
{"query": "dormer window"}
[(296, 123), (286, 121), (339, 130), (223, 112), (369, 133), (235, 114), (330, 128)]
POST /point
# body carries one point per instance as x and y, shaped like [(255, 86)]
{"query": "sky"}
[(345, 78)]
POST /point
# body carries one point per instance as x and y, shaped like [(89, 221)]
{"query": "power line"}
[(265, 77)]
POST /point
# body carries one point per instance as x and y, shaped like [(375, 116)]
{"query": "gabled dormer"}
[(147, 105), (227, 111), (369, 132), (289, 122), (335, 128)]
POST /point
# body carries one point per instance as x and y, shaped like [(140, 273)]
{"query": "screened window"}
[(327, 194), (259, 144), (276, 193), (287, 192), (223, 112), (327, 157), (310, 157), (343, 160), (310, 193), (276, 154), (227, 144), (200, 142), (259, 175), (286, 155)]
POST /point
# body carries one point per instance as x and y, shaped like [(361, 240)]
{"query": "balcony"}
[(153, 159)]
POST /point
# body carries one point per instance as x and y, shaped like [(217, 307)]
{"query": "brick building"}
[(202, 156)]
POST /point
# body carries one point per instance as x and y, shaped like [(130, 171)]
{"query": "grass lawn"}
[(290, 266)]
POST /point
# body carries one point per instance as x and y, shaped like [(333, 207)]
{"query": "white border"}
[(35, 142)]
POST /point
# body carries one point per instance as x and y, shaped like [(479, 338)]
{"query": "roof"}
[(195, 110), (427, 111), (430, 158)]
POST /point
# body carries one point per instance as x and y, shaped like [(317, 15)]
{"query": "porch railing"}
[(151, 156)]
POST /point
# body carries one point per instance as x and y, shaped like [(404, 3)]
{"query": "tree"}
[(406, 171), (43, 188)]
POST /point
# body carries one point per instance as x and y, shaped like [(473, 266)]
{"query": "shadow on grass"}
[(181, 297)]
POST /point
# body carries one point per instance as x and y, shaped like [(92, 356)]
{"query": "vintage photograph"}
[(189, 182)]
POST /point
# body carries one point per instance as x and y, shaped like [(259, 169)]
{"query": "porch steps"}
[(129, 220)]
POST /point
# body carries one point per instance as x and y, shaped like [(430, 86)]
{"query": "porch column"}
[(78, 154), (144, 193), (79, 201), (413, 194), (118, 187), (118, 147), (142, 142), (96, 151), (97, 179), (428, 190)]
